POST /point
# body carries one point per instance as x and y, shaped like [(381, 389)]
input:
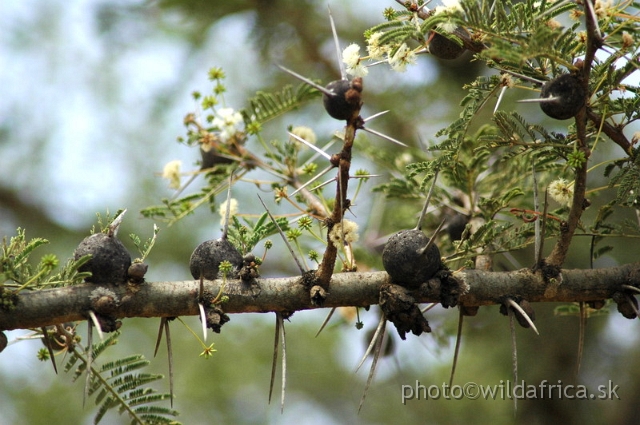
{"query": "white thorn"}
[(375, 115), (343, 74), (308, 81), (322, 173), (284, 238), (203, 319), (375, 337), (95, 321), (115, 224), (384, 136), (326, 320), (540, 100), (524, 314), (502, 91), (312, 146)]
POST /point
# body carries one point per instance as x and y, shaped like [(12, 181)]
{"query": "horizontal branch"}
[(170, 299)]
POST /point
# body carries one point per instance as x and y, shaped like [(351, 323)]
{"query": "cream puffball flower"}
[(562, 191), (171, 172), (351, 58), (346, 228)]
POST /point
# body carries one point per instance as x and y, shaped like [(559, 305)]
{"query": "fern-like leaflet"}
[(267, 106), (117, 385)]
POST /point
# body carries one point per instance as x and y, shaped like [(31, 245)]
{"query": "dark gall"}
[(570, 96), (206, 258), (346, 100), (444, 48), (109, 261), (406, 261)]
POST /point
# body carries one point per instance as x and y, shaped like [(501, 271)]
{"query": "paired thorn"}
[(526, 317), (432, 238), (115, 224), (583, 325), (549, 99), (524, 77), (536, 206), (87, 382), (594, 18), (326, 320), (426, 202), (376, 355), (203, 320), (48, 344), (170, 357), (343, 73), (45, 338), (456, 350), (280, 337), (631, 288), (321, 185), (227, 217), (203, 315), (286, 241), (502, 92), (164, 326), (96, 322), (384, 136), (376, 115), (313, 84), (313, 179), (631, 302), (163, 323), (374, 338), (310, 145), (514, 353)]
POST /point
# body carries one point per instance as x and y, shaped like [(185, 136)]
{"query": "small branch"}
[(35, 309), (325, 269), (559, 253), (614, 133)]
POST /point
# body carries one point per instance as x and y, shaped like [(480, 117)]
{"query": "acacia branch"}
[(594, 42), (170, 299)]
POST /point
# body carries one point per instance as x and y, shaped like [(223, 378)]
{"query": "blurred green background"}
[(93, 96)]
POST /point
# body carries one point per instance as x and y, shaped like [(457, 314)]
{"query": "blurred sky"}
[(90, 108)]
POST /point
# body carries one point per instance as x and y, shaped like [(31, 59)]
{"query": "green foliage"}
[(18, 273), (627, 180), (265, 106), (145, 249), (117, 384), (246, 236), (105, 221)]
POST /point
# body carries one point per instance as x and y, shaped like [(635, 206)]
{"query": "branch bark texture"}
[(180, 298)]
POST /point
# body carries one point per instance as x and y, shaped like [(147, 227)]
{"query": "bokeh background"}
[(93, 96)]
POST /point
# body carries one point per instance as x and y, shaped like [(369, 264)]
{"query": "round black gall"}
[(206, 258), (570, 93), (109, 261), (444, 48), (338, 106), (406, 261)]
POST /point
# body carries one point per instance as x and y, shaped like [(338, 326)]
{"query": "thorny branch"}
[(343, 160), (559, 252), (170, 299)]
